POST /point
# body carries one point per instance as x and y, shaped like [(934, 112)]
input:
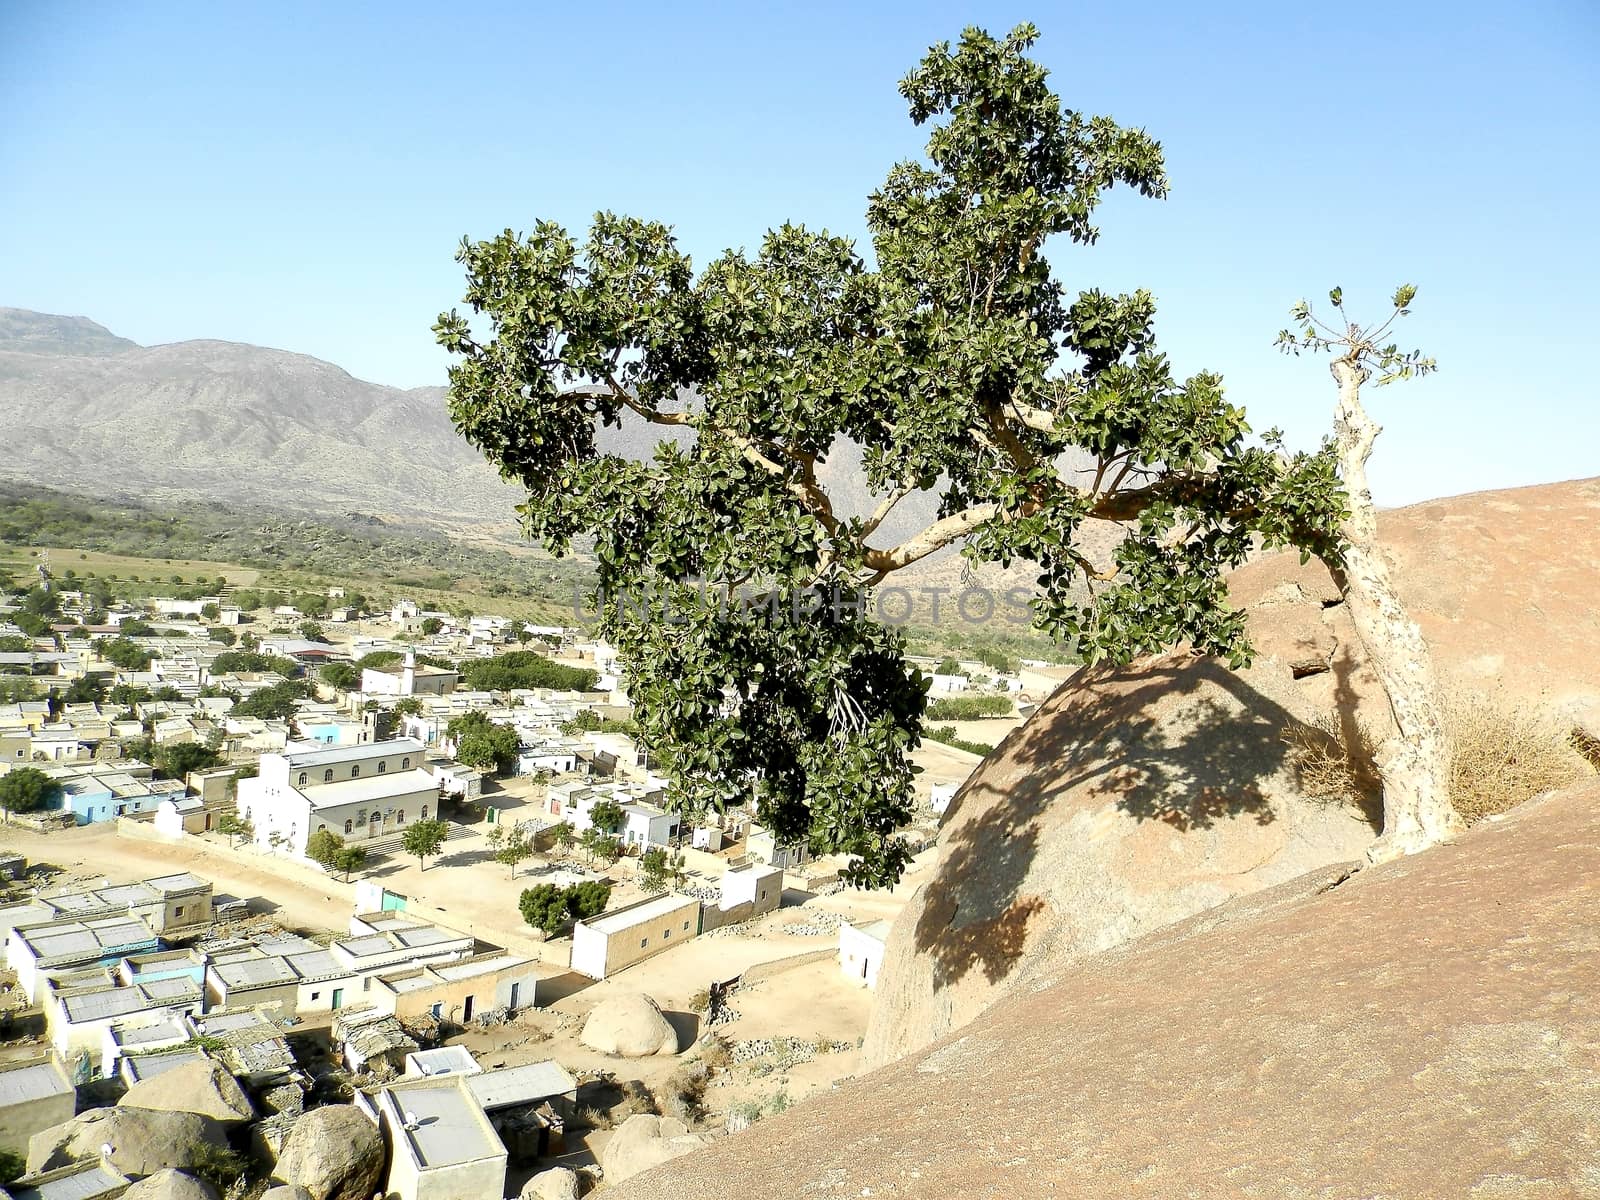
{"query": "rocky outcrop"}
[(558, 1183), (170, 1185), (629, 1026), (1424, 1028), (643, 1142), (1132, 798), (142, 1141), (198, 1087), (1138, 796), (284, 1192), (334, 1153)]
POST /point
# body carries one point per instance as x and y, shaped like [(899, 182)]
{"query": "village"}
[(413, 865)]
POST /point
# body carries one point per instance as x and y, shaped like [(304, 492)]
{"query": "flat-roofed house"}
[(179, 903), (442, 1145), (33, 1097), (861, 951), (40, 951), (359, 792), (529, 1106), (78, 1018), (607, 944)]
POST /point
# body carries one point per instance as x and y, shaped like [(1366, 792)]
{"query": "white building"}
[(607, 944), (861, 951), (408, 679), (441, 1144), (645, 826), (358, 792)]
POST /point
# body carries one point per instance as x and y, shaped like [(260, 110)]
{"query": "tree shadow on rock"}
[(1176, 739)]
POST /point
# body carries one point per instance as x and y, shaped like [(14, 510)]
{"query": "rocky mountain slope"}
[(1425, 1028), (85, 410), (1138, 796)]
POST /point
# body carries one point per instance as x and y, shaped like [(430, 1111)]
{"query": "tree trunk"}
[(1415, 764)]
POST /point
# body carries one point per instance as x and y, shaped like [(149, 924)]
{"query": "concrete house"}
[(861, 951), (167, 904), (79, 1018), (607, 944), (360, 792), (764, 846), (89, 1180), (408, 679), (442, 1146), (644, 827), (41, 951), (33, 1097)]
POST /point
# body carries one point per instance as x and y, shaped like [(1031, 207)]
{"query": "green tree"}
[(951, 361), (12, 1167), (564, 836), (658, 869), (175, 761), (515, 849), (17, 687), (524, 669), (483, 743), (349, 859), (431, 626), (128, 655), (218, 633), (408, 706), (323, 847), (340, 675), (211, 611), (948, 666), (424, 838), (27, 789), (589, 899), (606, 816), (275, 703), (544, 906), (233, 827), (312, 631)]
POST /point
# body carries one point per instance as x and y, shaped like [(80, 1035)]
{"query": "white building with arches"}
[(362, 793)]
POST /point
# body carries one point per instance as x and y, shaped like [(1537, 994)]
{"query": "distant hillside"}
[(86, 410)]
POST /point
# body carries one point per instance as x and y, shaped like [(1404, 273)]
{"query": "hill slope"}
[(1426, 1028), (86, 410)]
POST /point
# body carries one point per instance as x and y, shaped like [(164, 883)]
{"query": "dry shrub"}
[(684, 1094), (716, 1052), (1505, 752), (1335, 762)]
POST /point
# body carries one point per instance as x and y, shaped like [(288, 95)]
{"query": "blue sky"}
[(298, 175)]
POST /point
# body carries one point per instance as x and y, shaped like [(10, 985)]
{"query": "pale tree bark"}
[(1415, 764)]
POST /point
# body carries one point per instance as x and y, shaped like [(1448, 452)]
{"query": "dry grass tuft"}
[(1335, 762), (1505, 752)]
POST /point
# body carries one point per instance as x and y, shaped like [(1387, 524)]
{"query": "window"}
[(686, 926), (665, 934), (316, 995), (355, 770), (400, 817), (643, 942), (178, 912), (424, 812), (349, 825), (327, 776), (405, 764), (383, 767), (302, 779), (321, 828)]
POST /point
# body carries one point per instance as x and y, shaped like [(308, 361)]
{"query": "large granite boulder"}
[(630, 1026), (558, 1183), (334, 1153), (143, 1141), (198, 1087), (1135, 797), (170, 1185), (643, 1142)]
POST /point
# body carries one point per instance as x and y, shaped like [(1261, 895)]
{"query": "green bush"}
[(969, 708)]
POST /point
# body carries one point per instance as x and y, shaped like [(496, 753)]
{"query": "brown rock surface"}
[(645, 1141), (334, 1153), (1429, 1027), (1136, 797), (143, 1141), (1132, 798), (198, 1087)]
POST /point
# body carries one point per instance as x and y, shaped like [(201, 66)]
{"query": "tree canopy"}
[(27, 789), (951, 360), (483, 743), (524, 669)]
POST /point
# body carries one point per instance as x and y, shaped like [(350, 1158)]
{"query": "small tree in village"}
[(323, 847), (516, 847), (659, 869), (606, 816), (424, 838), (950, 362), (564, 837), (27, 789), (233, 827), (349, 859)]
